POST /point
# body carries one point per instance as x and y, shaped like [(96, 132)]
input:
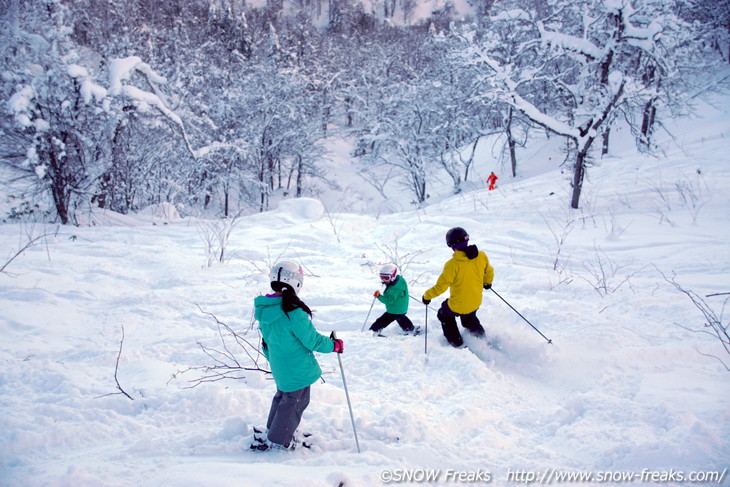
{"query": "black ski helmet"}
[(455, 236)]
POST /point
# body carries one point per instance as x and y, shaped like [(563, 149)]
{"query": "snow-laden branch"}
[(641, 37), (510, 95), (570, 43), (215, 147), (513, 15), (122, 69), (534, 114), (120, 72)]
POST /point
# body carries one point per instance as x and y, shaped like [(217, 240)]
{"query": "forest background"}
[(218, 106)]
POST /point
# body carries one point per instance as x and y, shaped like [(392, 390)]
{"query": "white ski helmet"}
[(287, 272), (388, 273)]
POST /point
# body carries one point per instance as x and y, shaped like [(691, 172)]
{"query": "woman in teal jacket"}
[(289, 341)]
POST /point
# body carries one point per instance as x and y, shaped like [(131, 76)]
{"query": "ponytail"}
[(289, 299)]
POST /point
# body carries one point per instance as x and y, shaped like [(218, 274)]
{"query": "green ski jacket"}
[(395, 297), (290, 343)]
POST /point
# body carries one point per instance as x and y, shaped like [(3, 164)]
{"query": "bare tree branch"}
[(228, 361), (30, 243), (713, 325), (116, 372)]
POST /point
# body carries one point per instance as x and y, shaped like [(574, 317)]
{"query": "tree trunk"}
[(511, 143), (59, 201), (326, 113), (350, 112), (59, 184), (604, 148), (299, 176), (647, 122), (579, 170), (262, 183), (578, 173), (418, 181)]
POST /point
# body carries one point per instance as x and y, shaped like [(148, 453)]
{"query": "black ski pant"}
[(388, 318), (447, 317), (286, 414)]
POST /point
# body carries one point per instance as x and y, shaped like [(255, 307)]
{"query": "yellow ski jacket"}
[(465, 274)]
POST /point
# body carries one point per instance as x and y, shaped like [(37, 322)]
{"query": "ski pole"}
[(528, 322), (425, 335), (368, 316), (347, 394), (416, 299)]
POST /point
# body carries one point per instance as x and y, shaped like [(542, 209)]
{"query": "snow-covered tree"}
[(241, 97), (577, 68), (399, 123), (281, 128), (689, 59), (149, 165), (507, 33), (65, 110), (459, 113), (54, 134)]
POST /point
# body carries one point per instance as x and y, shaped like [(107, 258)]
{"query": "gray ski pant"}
[(286, 414)]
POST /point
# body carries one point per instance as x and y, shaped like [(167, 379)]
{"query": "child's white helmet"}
[(388, 273), (287, 272)]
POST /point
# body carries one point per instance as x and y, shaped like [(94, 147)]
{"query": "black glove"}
[(264, 345), (487, 286), (425, 301)]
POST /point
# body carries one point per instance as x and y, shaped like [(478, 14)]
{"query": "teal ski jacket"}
[(290, 343), (395, 297)]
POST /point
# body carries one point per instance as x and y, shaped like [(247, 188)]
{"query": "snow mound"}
[(101, 217), (302, 208), (165, 211), (151, 215)]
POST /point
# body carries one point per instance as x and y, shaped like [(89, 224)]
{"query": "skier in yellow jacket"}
[(466, 274)]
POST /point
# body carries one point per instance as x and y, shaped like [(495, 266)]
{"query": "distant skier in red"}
[(492, 180)]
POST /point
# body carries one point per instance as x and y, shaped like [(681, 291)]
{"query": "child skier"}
[(288, 342), (465, 275), (395, 299)]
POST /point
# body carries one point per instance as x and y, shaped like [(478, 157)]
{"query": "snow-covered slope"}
[(626, 387)]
